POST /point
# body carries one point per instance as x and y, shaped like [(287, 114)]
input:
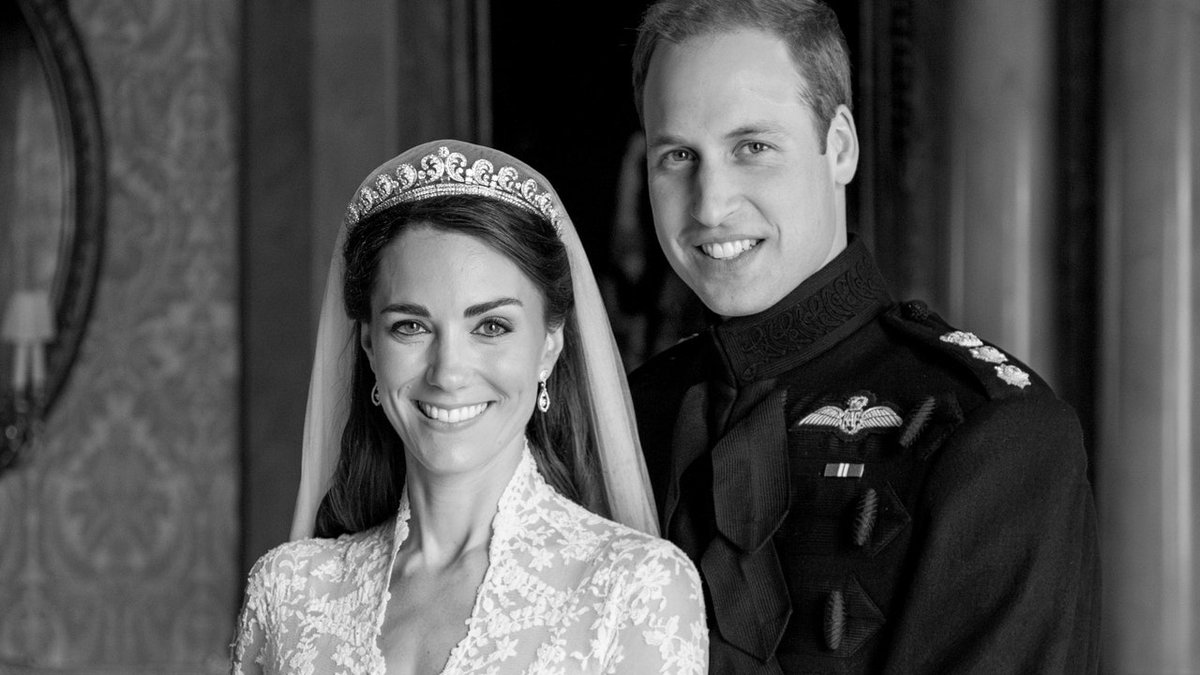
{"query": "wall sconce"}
[(28, 326)]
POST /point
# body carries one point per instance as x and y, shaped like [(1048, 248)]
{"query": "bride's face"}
[(457, 339)]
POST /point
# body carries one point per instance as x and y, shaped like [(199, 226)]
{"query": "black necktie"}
[(750, 500)]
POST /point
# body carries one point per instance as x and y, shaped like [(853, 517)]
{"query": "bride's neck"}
[(451, 516)]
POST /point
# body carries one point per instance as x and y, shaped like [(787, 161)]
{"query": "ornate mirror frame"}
[(78, 112)]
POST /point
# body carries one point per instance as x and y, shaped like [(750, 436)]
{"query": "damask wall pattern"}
[(118, 537)]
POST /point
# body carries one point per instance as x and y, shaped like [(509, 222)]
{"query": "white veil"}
[(456, 167)]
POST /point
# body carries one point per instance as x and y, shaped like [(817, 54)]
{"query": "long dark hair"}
[(369, 477)]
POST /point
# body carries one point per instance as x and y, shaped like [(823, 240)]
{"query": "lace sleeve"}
[(663, 629), (249, 644)]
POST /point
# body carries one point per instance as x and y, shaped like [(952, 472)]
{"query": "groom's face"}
[(745, 203)]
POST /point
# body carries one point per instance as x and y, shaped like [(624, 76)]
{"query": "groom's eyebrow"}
[(405, 308), (485, 307)]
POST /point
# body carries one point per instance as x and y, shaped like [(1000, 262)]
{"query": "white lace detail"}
[(566, 591)]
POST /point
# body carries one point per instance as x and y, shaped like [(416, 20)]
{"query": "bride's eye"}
[(407, 327), (493, 328)]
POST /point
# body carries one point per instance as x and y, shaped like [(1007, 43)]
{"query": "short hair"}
[(367, 481), (808, 27)]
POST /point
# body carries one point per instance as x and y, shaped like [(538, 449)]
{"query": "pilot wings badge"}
[(855, 418)]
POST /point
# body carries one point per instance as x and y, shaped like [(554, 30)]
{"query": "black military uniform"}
[(866, 489)]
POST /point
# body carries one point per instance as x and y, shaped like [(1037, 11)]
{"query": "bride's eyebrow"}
[(485, 307), (406, 308)]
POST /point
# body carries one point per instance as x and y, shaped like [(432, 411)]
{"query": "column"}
[(1000, 175), (1146, 464)]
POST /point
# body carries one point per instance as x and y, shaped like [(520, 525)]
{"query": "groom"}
[(863, 487)]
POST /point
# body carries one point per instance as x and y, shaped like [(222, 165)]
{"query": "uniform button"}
[(864, 521), (835, 620)]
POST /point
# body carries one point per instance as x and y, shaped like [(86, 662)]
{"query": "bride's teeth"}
[(453, 416), (729, 249)]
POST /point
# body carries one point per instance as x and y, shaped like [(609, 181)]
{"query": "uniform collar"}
[(831, 304)]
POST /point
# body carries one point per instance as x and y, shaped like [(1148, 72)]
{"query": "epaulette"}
[(1000, 374)]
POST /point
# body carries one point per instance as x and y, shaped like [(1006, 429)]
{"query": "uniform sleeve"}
[(248, 651), (663, 626), (1006, 571)]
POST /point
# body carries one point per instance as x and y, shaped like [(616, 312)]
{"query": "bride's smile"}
[(451, 414), (456, 341)]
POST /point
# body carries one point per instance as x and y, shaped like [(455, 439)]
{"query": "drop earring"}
[(543, 400)]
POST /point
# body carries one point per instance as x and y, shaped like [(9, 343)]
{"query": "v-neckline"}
[(501, 531)]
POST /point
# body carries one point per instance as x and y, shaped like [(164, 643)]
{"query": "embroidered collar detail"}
[(830, 305)]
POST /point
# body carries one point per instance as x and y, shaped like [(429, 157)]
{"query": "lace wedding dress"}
[(565, 592)]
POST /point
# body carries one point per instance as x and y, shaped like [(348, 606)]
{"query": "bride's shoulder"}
[(638, 550), (621, 546), (647, 576), (327, 559)]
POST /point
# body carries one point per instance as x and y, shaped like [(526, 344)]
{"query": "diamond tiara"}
[(447, 173)]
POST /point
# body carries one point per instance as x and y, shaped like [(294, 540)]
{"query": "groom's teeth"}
[(454, 415), (729, 249)]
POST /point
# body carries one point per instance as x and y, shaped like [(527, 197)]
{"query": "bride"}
[(468, 436)]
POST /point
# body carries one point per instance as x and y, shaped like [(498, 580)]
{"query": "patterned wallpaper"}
[(118, 539)]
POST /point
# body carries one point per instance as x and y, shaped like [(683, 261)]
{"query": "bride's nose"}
[(449, 363)]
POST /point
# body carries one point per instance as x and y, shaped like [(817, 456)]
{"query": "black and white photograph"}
[(499, 337)]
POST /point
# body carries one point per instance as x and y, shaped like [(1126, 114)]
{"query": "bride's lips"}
[(451, 415)]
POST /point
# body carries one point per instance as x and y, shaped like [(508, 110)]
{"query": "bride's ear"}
[(364, 339), (552, 348)]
